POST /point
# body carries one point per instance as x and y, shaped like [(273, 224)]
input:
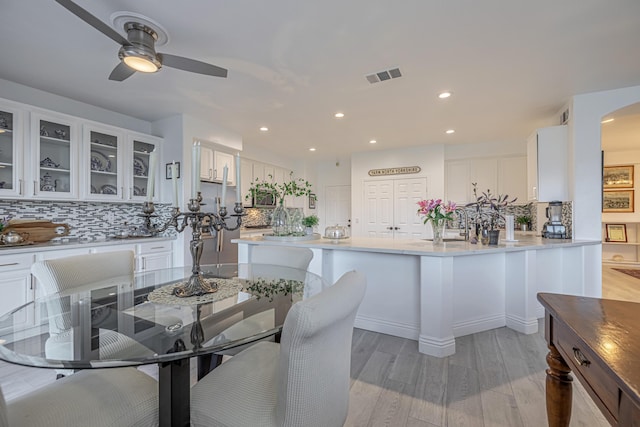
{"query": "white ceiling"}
[(512, 64)]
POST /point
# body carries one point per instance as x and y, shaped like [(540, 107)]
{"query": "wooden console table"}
[(599, 340)]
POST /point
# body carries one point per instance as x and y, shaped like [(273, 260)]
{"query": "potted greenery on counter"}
[(489, 211), (309, 222), (524, 221)]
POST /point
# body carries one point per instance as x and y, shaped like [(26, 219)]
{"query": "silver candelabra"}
[(198, 220)]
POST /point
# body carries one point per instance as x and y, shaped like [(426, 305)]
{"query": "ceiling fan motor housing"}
[(142, 44)]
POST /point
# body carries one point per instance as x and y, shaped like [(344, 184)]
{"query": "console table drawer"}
[(586, 364)]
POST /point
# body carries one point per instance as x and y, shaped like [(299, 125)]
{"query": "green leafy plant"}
[(310, 221), (296, 187), (265, 288), (523, 219)]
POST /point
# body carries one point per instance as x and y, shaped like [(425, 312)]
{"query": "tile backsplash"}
[(86, 219)]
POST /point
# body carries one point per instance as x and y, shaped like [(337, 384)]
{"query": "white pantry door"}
[(378, 208), (407, 194), (390, 208)]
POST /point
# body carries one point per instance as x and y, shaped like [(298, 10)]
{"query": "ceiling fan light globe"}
[(140, 64)]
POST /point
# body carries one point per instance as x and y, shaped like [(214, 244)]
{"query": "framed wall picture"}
[(617, 177), (616, 232), (617, 201), (168, 170), (312, 201)]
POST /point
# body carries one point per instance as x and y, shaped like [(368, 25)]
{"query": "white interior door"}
[(338, 205), (390, 208), (407, 193), (378, 209)]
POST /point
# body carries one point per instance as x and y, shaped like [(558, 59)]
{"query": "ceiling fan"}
[(137, 51)]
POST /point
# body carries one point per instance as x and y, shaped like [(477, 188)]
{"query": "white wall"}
[(430, 158), (585, 155), (489, 149), (27, 95)]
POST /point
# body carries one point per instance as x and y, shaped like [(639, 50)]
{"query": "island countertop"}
[(436, 293), (422, 247)]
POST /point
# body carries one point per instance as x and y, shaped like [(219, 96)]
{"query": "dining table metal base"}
[(174, 393)]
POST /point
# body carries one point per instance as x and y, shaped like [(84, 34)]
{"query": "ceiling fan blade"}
[(93, 21), (121, 72), (192, 65)]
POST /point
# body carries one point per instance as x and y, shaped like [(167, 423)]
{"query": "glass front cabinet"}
[(139, 148), (11, 126), (102, 163), (54, 156)]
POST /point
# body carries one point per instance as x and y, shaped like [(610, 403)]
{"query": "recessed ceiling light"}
[(608, 120), (450, 131), (339, 115), (264, 128), (444, 95), (373, 141), (312, 149)]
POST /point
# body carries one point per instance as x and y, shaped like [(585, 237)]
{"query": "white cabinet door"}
[(246, 176), (220, 161), (154, 256), (553, 181), (102, 165), (17, 290), (16, 287), (270, 173), (532, 167), (485, 173), (458, 181), (206, 164), (11, 150), (511, 178), (258, 171), (54, 156), (547, 175)]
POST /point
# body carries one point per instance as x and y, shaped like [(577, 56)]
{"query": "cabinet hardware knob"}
[(580, 358), (35, 185)]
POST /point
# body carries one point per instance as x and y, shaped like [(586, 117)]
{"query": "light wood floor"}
[(495, 379)]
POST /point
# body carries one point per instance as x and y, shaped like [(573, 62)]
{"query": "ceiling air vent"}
[(384, 75)]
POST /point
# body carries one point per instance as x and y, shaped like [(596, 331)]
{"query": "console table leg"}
[(559, 389)]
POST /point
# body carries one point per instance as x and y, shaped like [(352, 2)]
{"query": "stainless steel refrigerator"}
[(218, 249)]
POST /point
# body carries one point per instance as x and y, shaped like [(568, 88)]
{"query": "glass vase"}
[(296, 228), (280, 221), (438, 232)]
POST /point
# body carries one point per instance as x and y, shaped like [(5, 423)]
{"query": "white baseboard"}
[(522, 325), (437, 347), (478, 325), (396, 329)]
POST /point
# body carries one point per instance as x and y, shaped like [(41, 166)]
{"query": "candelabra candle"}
[(197, 220)]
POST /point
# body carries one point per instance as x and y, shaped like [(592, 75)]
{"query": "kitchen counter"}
[(434, 294), (425, 247), (58, 244)]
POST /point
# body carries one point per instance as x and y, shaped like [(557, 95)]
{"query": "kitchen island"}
[(433, 294)]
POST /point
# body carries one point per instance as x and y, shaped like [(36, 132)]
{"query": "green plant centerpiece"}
[(524, 221), (489, 210), (280, 218), (309, 222)]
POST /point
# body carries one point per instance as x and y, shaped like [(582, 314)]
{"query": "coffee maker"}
[(554, 229)]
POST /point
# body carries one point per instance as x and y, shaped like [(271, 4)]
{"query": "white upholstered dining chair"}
[(304, 381), (62, 274), (261, 258), (122, 397)]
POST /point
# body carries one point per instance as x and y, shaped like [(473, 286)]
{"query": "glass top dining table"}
[(136, 320)]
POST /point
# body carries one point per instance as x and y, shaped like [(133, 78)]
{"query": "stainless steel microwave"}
[(264, 200)]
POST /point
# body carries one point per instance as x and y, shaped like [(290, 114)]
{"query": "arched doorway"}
[(620, 142)]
